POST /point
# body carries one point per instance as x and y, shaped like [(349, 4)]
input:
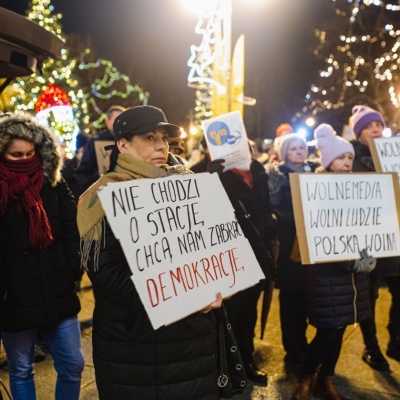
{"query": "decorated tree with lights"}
[(90, 83), (54, 72), (359, 53)]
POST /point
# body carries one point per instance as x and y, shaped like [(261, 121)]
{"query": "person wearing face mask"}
[(40, 260), (131, 359), (369, 124), (292, 150), (337, 293)]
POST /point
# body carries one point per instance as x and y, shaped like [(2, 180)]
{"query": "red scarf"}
[(20, 185), (246, 176)]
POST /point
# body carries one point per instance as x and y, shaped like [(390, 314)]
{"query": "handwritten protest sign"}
[(386, 154), (102, 156), (337, 215), (182, 242), (227, 139)]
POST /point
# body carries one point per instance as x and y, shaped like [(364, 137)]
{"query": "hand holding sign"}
[(227, 139), (214, 305), (365, 264), (215, 166)]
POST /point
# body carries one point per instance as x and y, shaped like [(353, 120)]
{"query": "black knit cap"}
[(142, 119)]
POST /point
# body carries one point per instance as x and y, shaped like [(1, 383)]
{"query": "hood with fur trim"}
[(21, 125)]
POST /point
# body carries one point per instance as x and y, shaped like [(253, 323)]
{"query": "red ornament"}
[(52, 96)]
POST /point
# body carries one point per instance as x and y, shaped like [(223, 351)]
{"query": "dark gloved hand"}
[(216, 166), (365, 264)]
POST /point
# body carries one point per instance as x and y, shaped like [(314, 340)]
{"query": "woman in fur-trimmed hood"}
[(39, 249), (22, 126)]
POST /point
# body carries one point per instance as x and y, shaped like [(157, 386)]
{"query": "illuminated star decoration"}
[(202, 57)]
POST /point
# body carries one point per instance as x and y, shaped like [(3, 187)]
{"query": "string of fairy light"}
[(28, 89), (109, 79), (110, 84), (349, 66)]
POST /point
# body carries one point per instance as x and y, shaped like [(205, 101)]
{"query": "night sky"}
[(149, 40)]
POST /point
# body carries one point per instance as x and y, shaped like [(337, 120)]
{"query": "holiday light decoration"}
[(56, 75), (359, 50), (54, 111), (202, 58), (109, 84), (210, 19), (90, 86), (218, 78)]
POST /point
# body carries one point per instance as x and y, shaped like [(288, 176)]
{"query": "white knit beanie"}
[(330, 145), (284, 141), (363, 115)]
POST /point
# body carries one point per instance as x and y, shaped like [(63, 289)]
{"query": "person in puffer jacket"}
[(337, 293), (40, 260)]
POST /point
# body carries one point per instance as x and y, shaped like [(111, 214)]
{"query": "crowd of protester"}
[(48, 239)]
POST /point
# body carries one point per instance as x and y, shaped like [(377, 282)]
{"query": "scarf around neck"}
[(20, 184), (91, 215), (245, 175)]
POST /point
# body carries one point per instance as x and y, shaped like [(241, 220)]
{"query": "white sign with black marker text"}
[(386, 154), (182, 242), (337, 215)]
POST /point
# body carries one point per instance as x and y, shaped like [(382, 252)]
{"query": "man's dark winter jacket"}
[(88, 171)]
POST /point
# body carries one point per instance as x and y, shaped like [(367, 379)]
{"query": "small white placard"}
[(102, 155), (227, 139)]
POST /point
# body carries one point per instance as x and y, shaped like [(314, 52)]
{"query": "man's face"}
[(110, 121)]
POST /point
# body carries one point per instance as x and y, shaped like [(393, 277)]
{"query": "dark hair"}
[(115, 152), (113, 159), (129, 136)]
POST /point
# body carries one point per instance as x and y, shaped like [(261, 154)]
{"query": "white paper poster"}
[(227, 139), (182, 242), (386, 154)]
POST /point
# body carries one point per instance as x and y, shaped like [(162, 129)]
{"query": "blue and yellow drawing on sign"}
[(219, 134)]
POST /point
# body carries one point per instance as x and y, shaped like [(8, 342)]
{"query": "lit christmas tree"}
[(91, 86), (359, 54), (58, 73)]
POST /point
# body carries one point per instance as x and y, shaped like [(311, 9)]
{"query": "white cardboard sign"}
[(386, 154), (102, 155), (337, 215), (226, 138), (182, 242)]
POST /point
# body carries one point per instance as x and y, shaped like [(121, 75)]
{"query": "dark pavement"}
[(354, 378)]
